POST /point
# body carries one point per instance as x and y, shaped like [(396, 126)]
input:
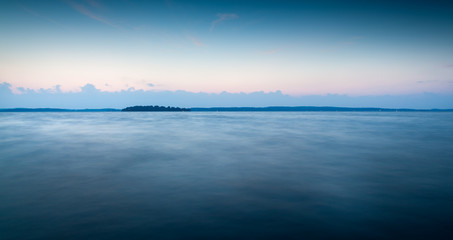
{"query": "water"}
[(257, 175)]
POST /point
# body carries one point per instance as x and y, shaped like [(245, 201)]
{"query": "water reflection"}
[(226, 175)]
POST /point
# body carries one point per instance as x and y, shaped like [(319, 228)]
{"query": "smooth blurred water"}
[(247, 175)]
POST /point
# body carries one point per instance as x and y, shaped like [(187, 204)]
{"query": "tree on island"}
[(154, 109)]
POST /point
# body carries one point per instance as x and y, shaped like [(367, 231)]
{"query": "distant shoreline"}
[(232, 109), (57, 110)]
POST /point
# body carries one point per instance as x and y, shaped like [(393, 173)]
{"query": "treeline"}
[(154, 109)]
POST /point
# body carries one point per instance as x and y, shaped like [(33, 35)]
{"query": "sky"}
[(296, 49)]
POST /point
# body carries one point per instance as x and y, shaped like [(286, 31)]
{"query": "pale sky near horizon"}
[(358, 48)]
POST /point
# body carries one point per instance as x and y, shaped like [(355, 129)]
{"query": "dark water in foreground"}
[(293, 175)]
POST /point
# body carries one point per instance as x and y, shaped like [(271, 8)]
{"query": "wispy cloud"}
[(94, 3), (195, 41), (34, 13), (448, 66), (169, 3), (427, 81), (85, 11), (271, 51), (222, 17), (348, 42), (351, 41), (435, 82)]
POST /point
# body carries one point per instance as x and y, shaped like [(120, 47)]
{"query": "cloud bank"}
[(91, 97)]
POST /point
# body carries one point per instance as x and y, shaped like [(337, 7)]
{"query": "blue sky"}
[(300, 48)]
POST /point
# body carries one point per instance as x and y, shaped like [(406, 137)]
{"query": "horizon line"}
[(243, 109)]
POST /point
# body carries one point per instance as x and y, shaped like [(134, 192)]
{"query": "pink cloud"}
[(83, 10), (222, 17), (195, 41), (94, 3)]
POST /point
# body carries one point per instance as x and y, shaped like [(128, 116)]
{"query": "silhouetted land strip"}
[(313, 109), (227, 109), (155, 109)]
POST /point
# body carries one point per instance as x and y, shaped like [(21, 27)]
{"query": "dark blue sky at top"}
[(406, 22), (279, 10)]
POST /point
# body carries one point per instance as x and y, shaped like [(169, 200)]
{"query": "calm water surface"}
[(265, 175)]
